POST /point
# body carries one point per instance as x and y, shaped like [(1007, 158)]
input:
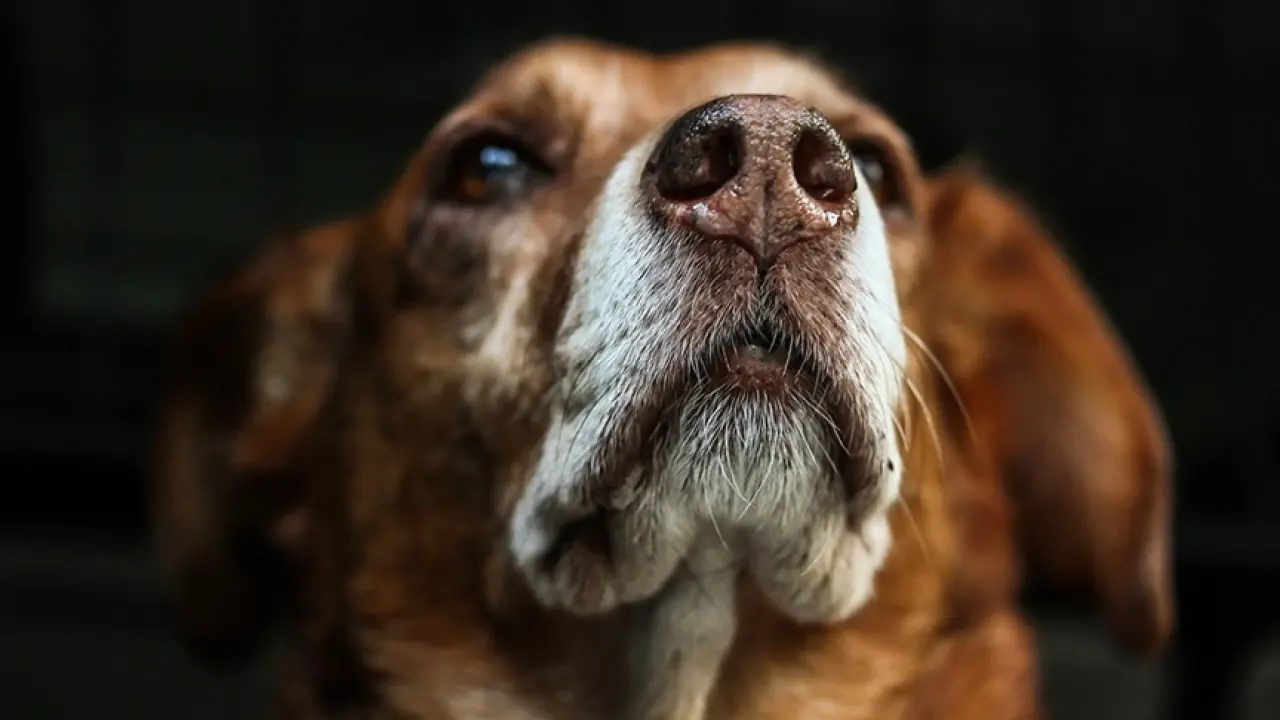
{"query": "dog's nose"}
[(763, 171)]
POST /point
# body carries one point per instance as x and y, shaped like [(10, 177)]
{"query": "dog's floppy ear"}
[(1055, 405), (250, 371)]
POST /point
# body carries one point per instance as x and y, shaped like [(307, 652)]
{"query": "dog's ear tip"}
[(1143, 623), (1143, 616), (1094, 506)]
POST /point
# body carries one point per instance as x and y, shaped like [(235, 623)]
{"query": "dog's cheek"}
[(827, 575), (446, 260)]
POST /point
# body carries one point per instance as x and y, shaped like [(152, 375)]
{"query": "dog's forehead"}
[(600, 85)]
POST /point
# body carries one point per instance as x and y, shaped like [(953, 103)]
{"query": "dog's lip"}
[(763, 351), (760, 363), (755, 354)]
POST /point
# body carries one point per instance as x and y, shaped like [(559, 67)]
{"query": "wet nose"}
[(762, 171)]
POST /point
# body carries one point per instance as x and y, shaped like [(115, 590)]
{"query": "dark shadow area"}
[(154, 142)]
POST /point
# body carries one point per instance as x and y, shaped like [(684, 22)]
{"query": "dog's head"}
[(622, 307)]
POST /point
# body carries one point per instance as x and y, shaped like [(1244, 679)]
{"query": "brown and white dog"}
[(659, 387)]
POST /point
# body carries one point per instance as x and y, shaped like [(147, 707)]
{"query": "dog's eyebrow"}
[(530, 95), (534, 105)]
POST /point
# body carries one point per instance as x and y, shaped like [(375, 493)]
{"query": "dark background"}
[(154, 141)]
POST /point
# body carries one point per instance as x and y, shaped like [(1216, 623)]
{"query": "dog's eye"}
[(488, 169), (878, 171)]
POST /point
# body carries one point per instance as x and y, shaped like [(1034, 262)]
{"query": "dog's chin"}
[(748, 457)]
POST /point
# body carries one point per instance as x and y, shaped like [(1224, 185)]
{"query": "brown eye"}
[(878, 171), (489, 169)]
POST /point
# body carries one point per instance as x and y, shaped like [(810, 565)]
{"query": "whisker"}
[(899, 425), (714, 525), (946, 378), (711, 400), (577, 434), (819, 552), (733, 485), (760, 483), (731, 478), (937, 365), (821, 412), (824, 416), (572, 386), (928, 420), (918, 533), (571, 390), (918, 397), (914, 391)]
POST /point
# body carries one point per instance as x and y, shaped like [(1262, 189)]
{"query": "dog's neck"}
[(436, 650), (446, 627), (679, 639)]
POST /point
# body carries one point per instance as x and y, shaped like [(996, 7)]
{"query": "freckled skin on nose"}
[(764, 172)]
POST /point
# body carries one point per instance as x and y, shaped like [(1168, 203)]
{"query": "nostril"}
[(823, 168), (696, 165)]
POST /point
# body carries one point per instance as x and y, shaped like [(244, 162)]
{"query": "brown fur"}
[(363, 498)]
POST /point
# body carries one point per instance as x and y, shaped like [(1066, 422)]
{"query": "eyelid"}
[(856, 143), (520, 137), (470, 138), (510, 135), (894, 179)]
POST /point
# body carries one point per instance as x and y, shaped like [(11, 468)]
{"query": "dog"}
[(659, 386)]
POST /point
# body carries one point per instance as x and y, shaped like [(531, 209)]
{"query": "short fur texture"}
[(468, 460)]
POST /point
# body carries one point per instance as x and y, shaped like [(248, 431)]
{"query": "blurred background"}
[(154, 141)]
